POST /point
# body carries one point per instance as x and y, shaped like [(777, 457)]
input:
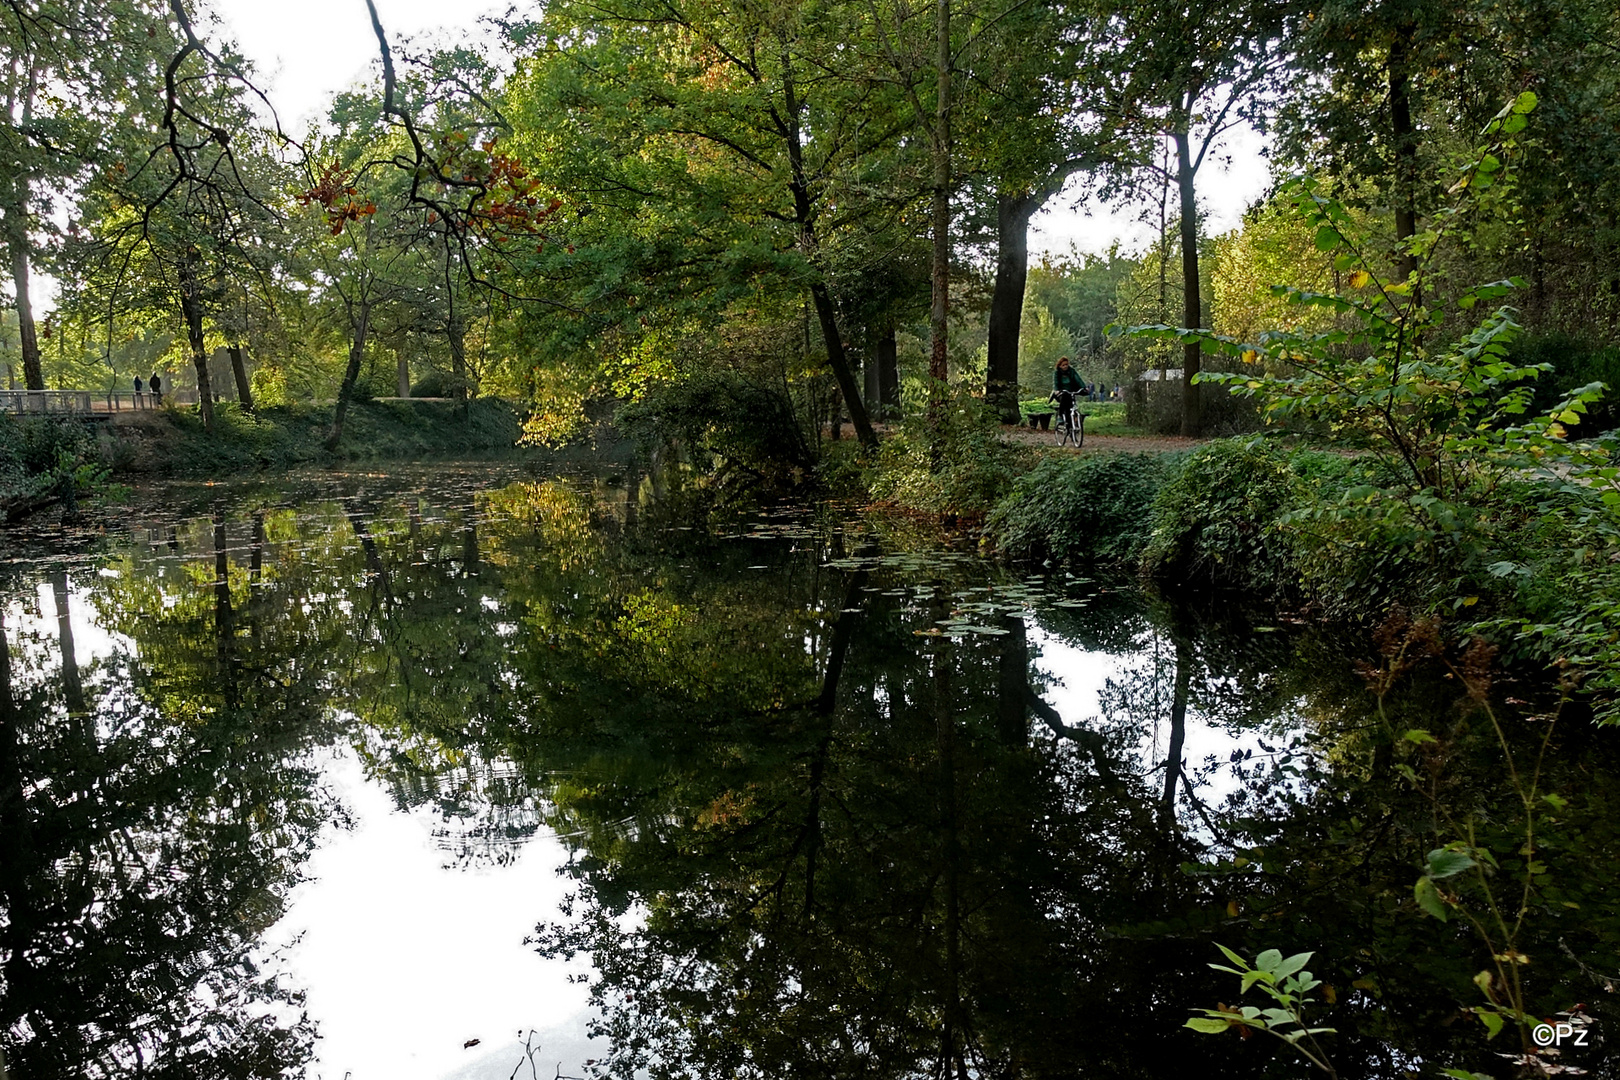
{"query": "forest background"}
[(824, 204)]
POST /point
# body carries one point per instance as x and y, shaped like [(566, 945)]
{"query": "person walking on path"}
[(157, 389), (140, 399)]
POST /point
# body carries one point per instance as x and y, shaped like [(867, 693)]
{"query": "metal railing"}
[(86, 402)]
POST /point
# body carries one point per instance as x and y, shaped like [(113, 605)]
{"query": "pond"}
[(471, 773)]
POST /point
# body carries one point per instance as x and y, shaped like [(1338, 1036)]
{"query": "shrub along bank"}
[(1529, 562)]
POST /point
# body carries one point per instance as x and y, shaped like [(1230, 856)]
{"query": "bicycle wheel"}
[(1079, 430)]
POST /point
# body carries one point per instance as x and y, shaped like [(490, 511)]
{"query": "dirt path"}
[(1102, 444)]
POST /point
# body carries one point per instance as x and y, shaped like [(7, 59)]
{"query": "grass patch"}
[(1102, 417), (172, 442)]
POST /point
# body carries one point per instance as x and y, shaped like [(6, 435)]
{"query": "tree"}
[(1200, 70), (737, 132), (70, 72)]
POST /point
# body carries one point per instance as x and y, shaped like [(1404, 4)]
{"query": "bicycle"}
[(1069, 424)]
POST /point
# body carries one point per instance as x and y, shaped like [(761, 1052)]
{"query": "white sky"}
[(308, 50), (311, 49)]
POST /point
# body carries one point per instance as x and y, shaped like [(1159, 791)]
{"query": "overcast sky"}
[(308, 50)]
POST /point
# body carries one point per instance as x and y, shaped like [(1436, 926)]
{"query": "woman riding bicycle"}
[(1066, 386), (1066, 378)]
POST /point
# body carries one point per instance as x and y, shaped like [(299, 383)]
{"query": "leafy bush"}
[(439, 384), (38, 455), (1095, 509), (1216, 522), (958, 466), (1574, 363), (738, 420)]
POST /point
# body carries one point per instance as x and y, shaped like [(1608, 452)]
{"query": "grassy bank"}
[(172, 442), (44, 461)]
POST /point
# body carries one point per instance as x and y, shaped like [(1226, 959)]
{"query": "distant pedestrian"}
[(156, 385), (140, 398)]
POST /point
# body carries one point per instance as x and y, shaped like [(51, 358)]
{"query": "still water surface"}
[(438, 774)]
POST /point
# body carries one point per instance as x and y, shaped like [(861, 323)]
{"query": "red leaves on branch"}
[(503, 200), (340, 200)]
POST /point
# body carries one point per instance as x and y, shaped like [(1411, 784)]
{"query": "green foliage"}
[(1440, 411), (957, 465), (738, 420), (1217, 521), (43, 458), (1574, 363), (1285, 981), (176, 444), (1094, 508)]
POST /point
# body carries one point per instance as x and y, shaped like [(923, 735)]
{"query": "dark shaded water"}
[(337, 776)]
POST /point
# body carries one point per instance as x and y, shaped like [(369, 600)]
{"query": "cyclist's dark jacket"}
[(1069, 380)]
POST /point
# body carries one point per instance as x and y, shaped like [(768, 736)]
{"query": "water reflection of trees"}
[(145, 850), (806, 839)]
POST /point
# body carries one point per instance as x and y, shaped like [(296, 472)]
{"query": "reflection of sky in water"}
[(405, 960), (1075, 681)]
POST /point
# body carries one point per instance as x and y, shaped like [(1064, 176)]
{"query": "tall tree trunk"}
[(804, 217), (1192, 419), (1007, 301), (360, 323), (17, 241), (940, 271), (872, 386), (1405, 145), (838, 360), (456, 332), (244, 391), (402, 375), (888, 362), (191, 308)]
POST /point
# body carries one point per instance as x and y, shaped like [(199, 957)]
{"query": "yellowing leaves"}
[(1359, 279)]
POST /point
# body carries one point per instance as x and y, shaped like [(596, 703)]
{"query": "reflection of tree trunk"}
[(952, 1023), (1012, 684), (632, 494), (224, 615), (244, 392), (16, 837), (1178, 734), (843, 629), (469, 542), (255, 572), (72, 686)]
